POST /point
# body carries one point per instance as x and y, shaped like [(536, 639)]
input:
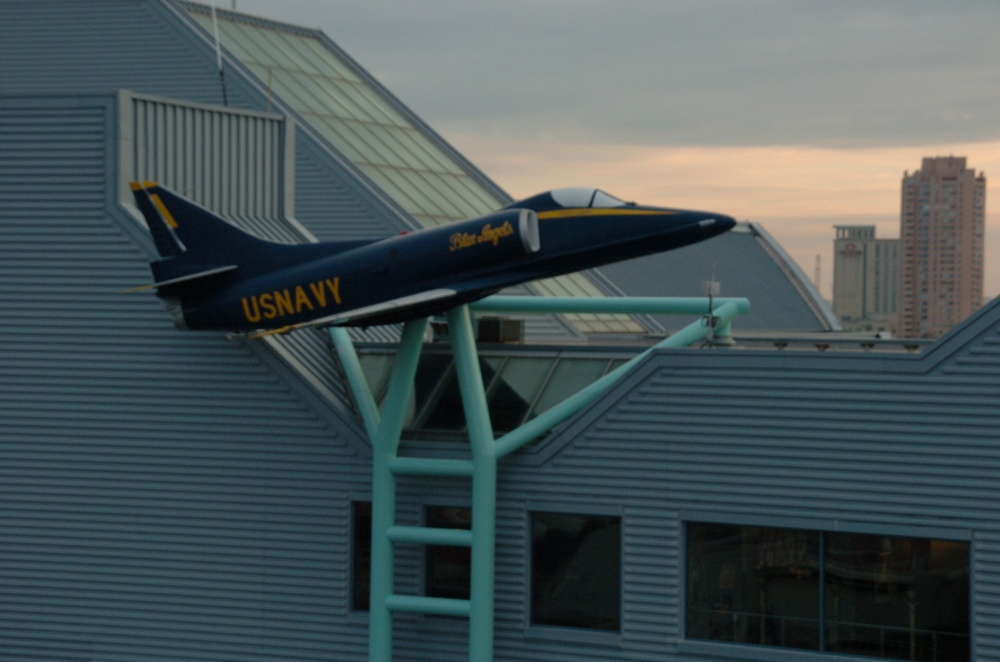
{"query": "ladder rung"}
[(428, 466), (423, 535), (419, 604)]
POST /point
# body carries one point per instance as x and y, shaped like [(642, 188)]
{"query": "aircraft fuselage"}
[(271, 286), (485, 255)]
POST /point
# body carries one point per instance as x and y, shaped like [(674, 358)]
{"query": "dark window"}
[(753, 585), (516, 387), (361, 561), (576, 571), (883, 596), (438, 403), (896, 597), (448, 567)]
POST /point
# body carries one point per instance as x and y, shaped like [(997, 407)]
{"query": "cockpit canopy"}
[(569, 198), (572, 198)]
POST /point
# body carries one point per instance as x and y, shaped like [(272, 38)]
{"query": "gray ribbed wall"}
[(900, 444), (163, 495), (66, 47), (893, 444), (153, 47), (232, 162)]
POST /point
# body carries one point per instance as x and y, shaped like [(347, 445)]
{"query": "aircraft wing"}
[(409, 301)]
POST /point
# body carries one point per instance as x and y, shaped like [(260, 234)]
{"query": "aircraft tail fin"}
[(158, 218), (196, 246), (182, 227)]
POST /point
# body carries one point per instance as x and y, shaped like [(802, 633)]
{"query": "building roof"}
[(349, 108), (745, 262), (406, 159)]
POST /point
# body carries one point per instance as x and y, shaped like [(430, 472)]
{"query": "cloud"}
[(778, 180), (715, 72)]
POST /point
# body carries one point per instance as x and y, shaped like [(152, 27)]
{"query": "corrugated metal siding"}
[(163, 495), (185, 497), (867, 442), (154, 47), (179, 496), (232, 162), (985, 606), (67, 47)]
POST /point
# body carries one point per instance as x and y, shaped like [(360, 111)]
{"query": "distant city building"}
[(865, 279), (941, 237)]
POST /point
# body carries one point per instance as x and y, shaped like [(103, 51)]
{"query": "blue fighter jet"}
[(213, 276)]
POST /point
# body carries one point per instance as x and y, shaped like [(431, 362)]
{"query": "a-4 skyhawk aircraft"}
[(213, 276)]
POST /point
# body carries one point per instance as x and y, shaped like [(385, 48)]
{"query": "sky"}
[(797, 114)]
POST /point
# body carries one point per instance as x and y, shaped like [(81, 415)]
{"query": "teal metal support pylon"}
[(385, 446), (385, 429), (484, 484)]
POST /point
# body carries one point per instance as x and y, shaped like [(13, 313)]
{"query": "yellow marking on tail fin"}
[(164, 212)]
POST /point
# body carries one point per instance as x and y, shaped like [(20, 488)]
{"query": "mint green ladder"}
[(385, 430)]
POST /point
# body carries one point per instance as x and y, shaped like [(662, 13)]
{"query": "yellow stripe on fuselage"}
[(603, 211), (164, 212)]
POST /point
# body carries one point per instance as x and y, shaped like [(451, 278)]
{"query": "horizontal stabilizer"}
[(183, 279), (376, 310)]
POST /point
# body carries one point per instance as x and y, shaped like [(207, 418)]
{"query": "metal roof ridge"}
[(810, 294), (250, 19)]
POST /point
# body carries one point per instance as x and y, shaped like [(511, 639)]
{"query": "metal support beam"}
[(385, 431), (366, 404), (484, 484), (625, 305), (385, 445), (697, 331)]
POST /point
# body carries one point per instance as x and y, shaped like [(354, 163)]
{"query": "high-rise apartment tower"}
[(941, 246)]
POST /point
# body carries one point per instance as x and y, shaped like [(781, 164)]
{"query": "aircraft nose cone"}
[(717, 223)]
